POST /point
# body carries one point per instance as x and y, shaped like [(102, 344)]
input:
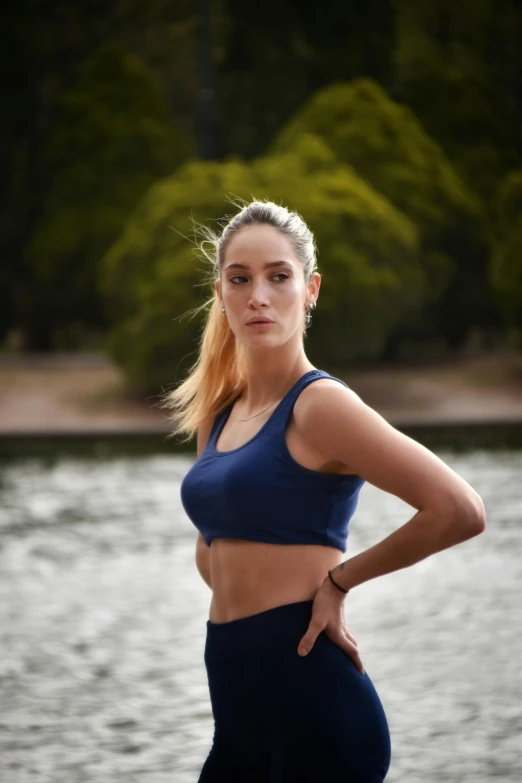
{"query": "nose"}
[(259, 295)]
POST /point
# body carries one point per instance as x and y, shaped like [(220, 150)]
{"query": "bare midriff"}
[(252, 576)]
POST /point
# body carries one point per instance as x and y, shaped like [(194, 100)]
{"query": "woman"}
[(283, 450)]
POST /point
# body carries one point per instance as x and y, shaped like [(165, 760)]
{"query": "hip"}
[(266, 696)]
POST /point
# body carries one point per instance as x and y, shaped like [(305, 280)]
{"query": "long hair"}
[(219, 374)]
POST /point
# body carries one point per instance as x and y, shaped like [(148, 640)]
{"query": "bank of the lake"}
[(83, 394)]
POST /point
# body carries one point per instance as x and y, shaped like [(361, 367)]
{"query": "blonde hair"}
[(219, 374)]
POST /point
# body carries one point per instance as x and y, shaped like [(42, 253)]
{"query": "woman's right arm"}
[(202, 550)]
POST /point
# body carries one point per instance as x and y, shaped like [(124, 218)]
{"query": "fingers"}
[(349, 636), (308, 640), (351, 648), (342, 637), (345, 641)]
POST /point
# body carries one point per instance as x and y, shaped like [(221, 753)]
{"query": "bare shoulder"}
[(339, 425), (321, 399)]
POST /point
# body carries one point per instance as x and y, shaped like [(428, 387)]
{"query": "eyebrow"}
[(266, 266)]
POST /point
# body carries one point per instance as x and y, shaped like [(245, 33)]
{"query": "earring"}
[(310, 307), (224, 311)]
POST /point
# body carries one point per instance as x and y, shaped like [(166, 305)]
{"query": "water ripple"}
[(103, 619)]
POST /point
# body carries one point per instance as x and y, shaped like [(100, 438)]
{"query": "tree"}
[(368, 254), (270, 61), (506, 260), (388, 147), (459, 67), (114, 139), (43, 60)]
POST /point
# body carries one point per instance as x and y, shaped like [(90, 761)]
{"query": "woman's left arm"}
[(336, 423)]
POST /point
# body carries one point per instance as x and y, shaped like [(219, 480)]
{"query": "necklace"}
[(257, 414)]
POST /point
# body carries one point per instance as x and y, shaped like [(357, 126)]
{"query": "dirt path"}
[(82, 393)]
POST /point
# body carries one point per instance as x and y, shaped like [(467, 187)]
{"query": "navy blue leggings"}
[(281, 718)]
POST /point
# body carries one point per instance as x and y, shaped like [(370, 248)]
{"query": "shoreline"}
[(82, 395)]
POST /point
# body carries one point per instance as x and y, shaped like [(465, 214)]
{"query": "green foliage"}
[(114, 139), (479, 133), (506, 261), (367, 255), (88, 127), (368, 250), (272, 60), (388, 147)]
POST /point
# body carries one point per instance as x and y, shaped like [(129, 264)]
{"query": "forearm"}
[(423, 535)]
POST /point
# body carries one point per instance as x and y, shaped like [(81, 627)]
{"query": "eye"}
[(241, 277)]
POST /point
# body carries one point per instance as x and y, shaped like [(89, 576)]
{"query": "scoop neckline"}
[(228, 411)]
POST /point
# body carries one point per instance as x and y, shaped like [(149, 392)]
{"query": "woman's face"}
[(261, 276)]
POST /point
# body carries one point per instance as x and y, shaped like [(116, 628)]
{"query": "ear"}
[(314, 285)]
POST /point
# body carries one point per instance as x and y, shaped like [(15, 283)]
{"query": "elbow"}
[(470, 516)]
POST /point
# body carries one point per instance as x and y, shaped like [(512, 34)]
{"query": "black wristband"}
[(335, 583)]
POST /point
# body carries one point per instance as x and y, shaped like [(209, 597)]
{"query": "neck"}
[(268, 383)]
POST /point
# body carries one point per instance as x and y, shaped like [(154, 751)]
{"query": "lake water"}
[(102, 624)]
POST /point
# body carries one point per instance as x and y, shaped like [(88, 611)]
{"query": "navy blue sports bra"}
[(258, 492)]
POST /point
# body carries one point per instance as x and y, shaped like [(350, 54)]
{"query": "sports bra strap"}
[(289, 400), (218, 418), (282, 412)]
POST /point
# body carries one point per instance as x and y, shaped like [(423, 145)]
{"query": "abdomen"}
[(251, 576)]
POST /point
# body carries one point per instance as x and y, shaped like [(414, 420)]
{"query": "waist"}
[(252, 576)]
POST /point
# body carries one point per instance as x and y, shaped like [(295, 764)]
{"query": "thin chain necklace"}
[(257, 414), (264, 409)]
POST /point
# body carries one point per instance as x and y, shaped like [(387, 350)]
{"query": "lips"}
[(259, 321)]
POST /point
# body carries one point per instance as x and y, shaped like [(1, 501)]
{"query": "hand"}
[(328, 616)]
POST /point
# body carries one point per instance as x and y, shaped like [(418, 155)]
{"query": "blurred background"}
[(395, 130)]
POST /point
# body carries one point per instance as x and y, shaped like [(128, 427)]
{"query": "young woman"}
[(283, 450)]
